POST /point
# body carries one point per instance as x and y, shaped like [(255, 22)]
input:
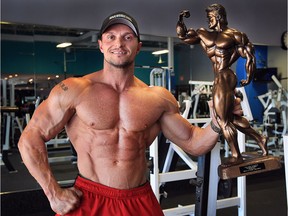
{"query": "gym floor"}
[(21, 195)]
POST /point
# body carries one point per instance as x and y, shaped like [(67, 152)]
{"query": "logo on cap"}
[(120, 16)]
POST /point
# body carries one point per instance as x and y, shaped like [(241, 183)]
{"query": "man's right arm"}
[(48, 119)]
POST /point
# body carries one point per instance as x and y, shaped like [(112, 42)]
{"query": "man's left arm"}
[(194, 140)]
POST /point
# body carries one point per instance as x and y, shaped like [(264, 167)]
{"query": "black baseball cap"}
[(120, 18)]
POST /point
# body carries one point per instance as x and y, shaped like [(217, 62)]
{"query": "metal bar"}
[(60, 159), (241, 181), (202, 187), (177, 175), (213, 181), (286, 165)]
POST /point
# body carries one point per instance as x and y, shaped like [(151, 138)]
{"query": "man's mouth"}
[(118, 52)]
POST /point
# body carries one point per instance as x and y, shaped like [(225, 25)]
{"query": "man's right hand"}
[(66, 200)]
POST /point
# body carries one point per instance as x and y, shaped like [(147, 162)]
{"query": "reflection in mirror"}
[(30, 57), (31, 66)]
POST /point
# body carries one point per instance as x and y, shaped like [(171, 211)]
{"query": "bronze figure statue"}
[(224, 45)]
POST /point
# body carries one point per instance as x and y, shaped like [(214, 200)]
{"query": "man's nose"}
[(119, 42)]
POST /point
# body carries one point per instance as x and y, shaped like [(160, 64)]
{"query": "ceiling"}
[(263, 21)]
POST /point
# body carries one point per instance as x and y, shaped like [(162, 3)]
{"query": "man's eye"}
[(110, 37), (128, 37)]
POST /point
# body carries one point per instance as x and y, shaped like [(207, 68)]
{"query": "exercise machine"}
[(198, 89), (275, 103), (161, 77), (7, 115)]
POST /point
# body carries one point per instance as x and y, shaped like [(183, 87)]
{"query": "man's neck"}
[(119, 78)]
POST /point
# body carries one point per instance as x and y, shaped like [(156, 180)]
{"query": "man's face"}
[(212, 20), (119, 45)]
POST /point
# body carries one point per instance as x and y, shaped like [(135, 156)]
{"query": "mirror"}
[(40, 64), (32, 66)]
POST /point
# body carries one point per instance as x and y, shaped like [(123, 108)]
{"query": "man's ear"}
[(100, 45), (139, 47)]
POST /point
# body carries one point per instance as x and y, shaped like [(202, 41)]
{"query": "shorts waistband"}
[(107, 191)]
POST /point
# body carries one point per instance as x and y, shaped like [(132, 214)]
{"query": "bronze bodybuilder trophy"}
[(224, 46)]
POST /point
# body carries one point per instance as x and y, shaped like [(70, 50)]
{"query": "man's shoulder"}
[(82, 80), (73, 83), (162, 93), (70, 86)]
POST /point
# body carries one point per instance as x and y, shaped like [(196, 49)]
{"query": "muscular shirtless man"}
[(224, 46), (111, 117)]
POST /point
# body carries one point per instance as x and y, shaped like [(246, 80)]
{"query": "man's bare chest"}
[(129, 110)]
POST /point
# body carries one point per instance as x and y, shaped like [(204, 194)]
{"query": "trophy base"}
[(252, 164)]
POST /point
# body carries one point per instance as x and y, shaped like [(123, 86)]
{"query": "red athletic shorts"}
[(101, 200)]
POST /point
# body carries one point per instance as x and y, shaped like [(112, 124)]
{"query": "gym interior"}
[(32, 64)]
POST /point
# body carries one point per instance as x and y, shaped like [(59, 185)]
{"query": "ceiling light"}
[(5, 23), (63, 45), (159, 52)]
